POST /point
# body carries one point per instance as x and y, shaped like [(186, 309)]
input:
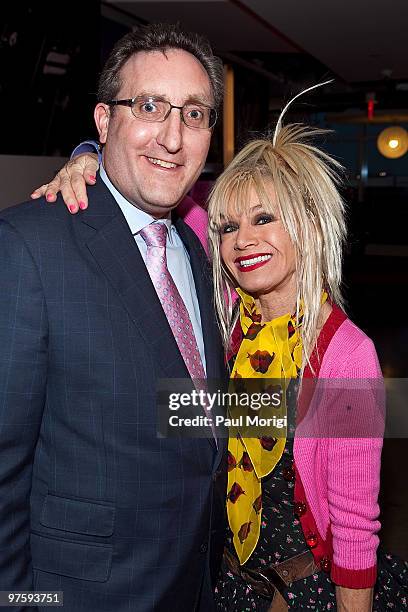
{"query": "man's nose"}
[(170, 134)]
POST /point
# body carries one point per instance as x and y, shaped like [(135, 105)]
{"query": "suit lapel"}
[(214, 355), (202, 278), (114, 250)]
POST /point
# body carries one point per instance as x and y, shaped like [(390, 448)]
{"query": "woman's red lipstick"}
[(255, 265)]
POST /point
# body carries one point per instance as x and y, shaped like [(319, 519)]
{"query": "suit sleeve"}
[(23, 363), (87, 146)]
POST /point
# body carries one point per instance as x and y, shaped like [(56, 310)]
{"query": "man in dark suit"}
[(92, 502)]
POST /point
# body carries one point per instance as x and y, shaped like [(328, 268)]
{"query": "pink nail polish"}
[(82, 205), (72, 208), (49, 197), (92, 178)]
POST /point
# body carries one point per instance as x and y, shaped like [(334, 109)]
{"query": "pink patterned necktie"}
[(176, 312)]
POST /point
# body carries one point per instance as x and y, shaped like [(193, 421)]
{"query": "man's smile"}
[(162, 163)]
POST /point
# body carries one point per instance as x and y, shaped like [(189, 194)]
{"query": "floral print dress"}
[(281, 538)]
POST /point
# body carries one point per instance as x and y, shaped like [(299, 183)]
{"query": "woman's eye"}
[(227, 228), (263, 219)]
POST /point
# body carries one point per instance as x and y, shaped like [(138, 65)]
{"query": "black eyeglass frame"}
[(131, 102)]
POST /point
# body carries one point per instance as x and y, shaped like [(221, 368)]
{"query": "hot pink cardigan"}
[(340, 474), (340, 477), (196, 217)]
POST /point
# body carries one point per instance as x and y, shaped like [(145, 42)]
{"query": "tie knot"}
[(155, 235)]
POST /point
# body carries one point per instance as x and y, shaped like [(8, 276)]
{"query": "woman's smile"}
[(248, 263)]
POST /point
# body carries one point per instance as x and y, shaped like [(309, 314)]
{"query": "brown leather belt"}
[(272, 580)]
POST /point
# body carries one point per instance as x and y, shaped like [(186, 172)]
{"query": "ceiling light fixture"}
[(393, 142)]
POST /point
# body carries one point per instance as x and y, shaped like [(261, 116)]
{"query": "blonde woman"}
[(303, 512)]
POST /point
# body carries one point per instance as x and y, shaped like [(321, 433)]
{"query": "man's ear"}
[(102, 117)]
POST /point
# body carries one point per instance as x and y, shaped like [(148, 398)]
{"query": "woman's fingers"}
[(49, 190), (80, 178), (53, 188), (69, 190), (39, 192), (71, 181), (78, 172), (91, 168)]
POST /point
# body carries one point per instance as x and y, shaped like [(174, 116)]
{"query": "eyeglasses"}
[(193, 114)]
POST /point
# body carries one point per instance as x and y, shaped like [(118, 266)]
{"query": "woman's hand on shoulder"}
[(71, 181)]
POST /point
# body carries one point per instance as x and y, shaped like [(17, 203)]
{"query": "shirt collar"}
[(136, 218)]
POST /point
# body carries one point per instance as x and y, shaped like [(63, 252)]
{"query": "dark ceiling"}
[(294, 44)]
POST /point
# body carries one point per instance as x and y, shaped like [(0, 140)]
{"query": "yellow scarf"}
[(270, 350)]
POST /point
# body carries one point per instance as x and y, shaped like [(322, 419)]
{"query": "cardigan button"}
[(312, 540), (325, 564), (300, 508)]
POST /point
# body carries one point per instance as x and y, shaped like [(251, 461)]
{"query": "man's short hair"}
[(159, 37)]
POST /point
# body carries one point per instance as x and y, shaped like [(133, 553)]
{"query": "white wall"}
[(21, 174)]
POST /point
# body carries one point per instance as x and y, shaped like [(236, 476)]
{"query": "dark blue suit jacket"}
[(92, 502)]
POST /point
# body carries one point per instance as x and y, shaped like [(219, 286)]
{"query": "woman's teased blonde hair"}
[(304, 180)]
